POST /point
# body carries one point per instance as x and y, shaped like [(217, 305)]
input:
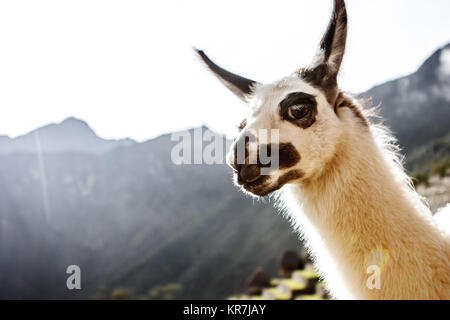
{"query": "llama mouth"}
[(252, 184), (260, 190), (259, 187)]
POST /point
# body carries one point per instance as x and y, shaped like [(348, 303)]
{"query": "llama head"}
[(302, 108)]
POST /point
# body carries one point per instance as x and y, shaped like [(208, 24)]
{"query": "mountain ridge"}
[(69, 135), (131, 218), (126, 216), (417, 107)]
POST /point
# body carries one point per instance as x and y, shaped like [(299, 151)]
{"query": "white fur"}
[(355, 207), (352, 202), (442, 219), (364, 213)]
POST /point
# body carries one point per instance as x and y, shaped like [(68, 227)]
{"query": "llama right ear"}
[(240, 86), (332, 46), (325, 67)]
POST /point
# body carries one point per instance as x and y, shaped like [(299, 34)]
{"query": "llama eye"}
[(298, 112)]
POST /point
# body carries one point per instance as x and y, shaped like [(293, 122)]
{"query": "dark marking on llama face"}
[(344, 101), (307, 104), (258, 187), (289, 156), (247, 176), (321, 78), (290, 177), (262, 187), (249, 172)]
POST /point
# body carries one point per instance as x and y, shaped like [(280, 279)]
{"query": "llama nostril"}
[(250, 173)]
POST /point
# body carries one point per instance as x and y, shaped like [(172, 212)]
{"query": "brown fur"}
[(289, 156), (320, 78), (289, 177), (345, 101)]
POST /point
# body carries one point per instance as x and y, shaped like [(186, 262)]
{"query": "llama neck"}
[(367, 228)]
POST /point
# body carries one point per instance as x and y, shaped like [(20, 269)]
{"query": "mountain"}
[(129, 218), (70, 135), (424, 157), (417, 107)]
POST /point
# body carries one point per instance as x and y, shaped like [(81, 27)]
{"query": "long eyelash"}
[(297, 98), (242, 125)]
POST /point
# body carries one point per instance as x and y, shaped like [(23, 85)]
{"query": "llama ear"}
[(240, 86), (332, 45), (326, 64)]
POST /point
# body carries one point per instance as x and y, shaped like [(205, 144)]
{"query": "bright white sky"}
[(127, 67)]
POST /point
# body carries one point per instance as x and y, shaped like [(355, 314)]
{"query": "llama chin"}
[(342, 183)]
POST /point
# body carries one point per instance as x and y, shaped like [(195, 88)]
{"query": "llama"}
[(340, 181)]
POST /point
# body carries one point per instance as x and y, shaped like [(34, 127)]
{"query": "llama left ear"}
[(326, 64), (240, 86)]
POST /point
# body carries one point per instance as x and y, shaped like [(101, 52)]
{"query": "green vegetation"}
[(419, 178), (310, 297), (293, 284), (165, 292), (277, 294), (275, 282), (121, 294), (307, 274), (422, 158), (114, 294), (441, 168)]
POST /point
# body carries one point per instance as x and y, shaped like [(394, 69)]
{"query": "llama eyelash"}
[(242, 125)]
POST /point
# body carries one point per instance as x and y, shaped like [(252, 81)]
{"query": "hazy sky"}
[(127, 67)]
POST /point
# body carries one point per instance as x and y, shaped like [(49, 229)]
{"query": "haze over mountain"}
[(130, 217), (70, 135), (417, 108)]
